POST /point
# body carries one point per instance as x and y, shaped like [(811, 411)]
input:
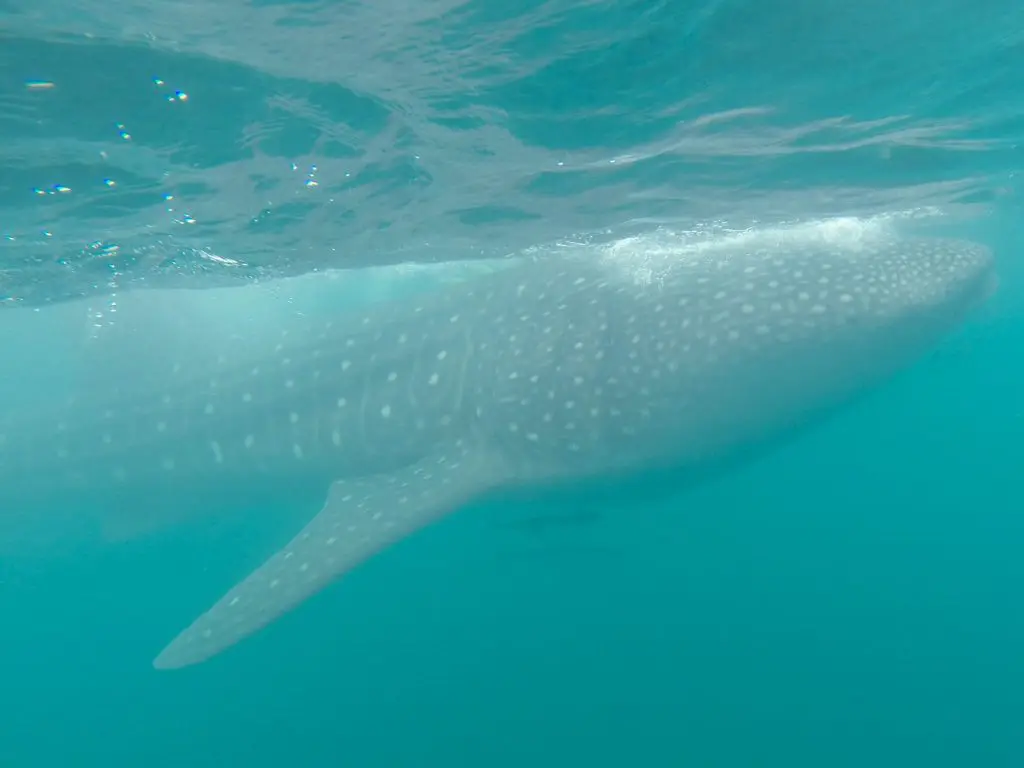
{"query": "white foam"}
[(647, 256)]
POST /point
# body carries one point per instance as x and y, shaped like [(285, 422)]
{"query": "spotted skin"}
[(545, 375)]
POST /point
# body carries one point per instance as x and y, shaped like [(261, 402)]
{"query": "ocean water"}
[(852, 598)]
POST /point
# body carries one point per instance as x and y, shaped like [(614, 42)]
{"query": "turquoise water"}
[(851, 599)]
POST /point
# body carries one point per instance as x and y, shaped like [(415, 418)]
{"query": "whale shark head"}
[(814, 284), (911, 283), (898, 295), (828, 296), (738, 343)]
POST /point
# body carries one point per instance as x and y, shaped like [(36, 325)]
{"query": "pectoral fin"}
[(361, 517)]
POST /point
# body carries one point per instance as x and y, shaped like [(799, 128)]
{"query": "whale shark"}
[(553, 375)]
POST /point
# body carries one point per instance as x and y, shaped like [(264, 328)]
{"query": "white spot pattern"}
[(555, 371)]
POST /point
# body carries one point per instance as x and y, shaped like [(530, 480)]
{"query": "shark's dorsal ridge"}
[(361, 517)]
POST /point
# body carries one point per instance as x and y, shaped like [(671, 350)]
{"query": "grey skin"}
[(553, 376)]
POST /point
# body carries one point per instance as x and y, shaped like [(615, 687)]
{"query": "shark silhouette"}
[(545, 376)]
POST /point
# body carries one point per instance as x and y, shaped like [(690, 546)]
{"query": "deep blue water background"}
[(853, 599)]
